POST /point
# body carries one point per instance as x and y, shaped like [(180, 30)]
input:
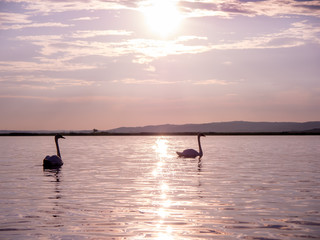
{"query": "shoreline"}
[(71, 133)]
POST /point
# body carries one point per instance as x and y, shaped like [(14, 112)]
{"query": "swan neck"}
[(58, 150), (200, 149)]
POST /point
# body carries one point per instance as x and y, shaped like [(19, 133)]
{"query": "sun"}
[(162, 16)]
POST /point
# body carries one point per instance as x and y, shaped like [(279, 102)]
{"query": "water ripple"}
[(136, 188)]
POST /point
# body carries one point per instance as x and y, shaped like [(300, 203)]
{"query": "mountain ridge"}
[(220, 127), (231, 127)]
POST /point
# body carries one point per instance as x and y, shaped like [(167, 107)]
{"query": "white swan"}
[(54, 161), (191, 153)]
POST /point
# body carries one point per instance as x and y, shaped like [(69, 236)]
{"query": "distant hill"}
[(42, 132), (224, 127), (236, 127)]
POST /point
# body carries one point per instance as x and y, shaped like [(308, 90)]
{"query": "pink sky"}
[(106, 64)]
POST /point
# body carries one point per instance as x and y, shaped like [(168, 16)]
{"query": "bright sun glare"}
[(161, 147), (162, 16)]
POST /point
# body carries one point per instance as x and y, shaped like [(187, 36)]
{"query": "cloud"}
[(59, 52), (202, 9), (76, 99), (70, 50), (31, 81), (10, 20), (80, 43), (147, 81), (212, 82), (47, 65), (53, 6), (190, 8), (34, 25), (85, 18), (147, 50), (143, 50), (232, 8), (283, 8), (299, 34), (161, 82), (13, 18), (93, 33), (193, 39)]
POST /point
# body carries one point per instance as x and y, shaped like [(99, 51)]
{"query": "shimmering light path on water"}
[(245, 187)]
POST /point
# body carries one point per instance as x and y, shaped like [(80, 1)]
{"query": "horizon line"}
[(150, 125)]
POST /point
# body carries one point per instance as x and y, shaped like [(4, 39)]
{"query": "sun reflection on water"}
[(174, 193), (140, 189), (161, 147), (163, 201), (167, 235)]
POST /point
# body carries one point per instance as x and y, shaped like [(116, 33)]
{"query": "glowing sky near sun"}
[(162, 16), (105, 64)]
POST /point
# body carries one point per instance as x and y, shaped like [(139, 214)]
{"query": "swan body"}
[(188, 153), (54, 161), (191, 153)]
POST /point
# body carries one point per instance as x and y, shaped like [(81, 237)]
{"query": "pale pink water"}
[(246, 187)]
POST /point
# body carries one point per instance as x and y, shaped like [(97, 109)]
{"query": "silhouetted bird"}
[(191, 153), (54, 161)]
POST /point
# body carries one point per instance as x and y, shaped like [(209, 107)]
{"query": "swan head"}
[(58, 136)]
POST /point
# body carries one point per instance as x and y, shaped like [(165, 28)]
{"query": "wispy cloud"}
[(163, 82), (85, 18), (98, 54), (212, 82), (57, 52), (282, 8), (232, 8), (190, 8), (299, 34), (48, 65), (50, 6), (147, 50), (13, 18), (91, 34), (143, 50), (145, 81), (30, 81), (34, 25)]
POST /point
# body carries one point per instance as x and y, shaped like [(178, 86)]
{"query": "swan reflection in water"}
[(53, 206), (52, 172)]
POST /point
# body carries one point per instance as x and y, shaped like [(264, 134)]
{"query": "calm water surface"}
[(245, 187)]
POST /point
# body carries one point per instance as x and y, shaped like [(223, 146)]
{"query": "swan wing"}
[(52, 161), (188, 153)]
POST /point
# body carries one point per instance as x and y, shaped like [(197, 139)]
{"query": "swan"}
[(191, 153), (54, 161)]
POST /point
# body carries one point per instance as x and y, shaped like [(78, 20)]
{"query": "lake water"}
[(245, 187)]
